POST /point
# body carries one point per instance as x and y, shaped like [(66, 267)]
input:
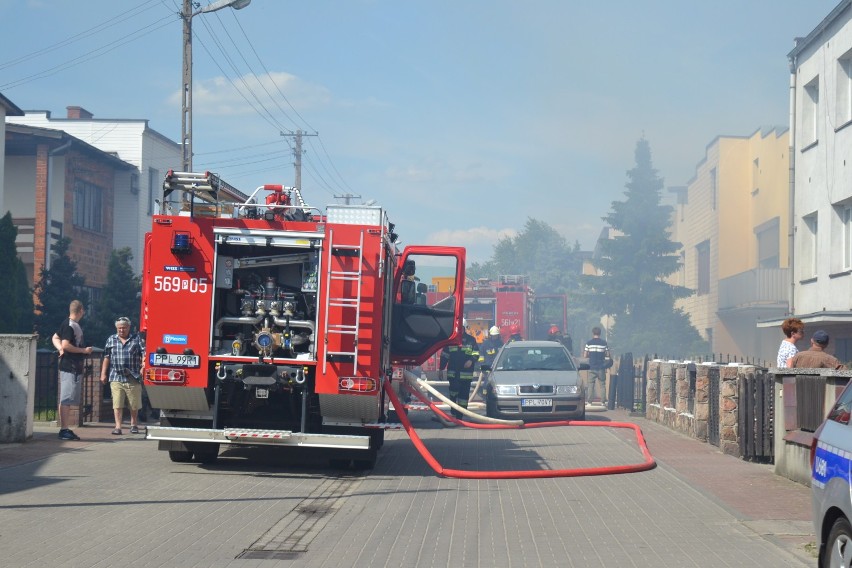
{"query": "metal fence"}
[(755, 421), (46, 402), (713, 413)]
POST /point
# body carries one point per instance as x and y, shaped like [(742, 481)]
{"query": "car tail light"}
[(162, 375), (357, 384)]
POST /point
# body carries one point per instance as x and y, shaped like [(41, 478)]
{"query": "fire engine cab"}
[(268, 321)]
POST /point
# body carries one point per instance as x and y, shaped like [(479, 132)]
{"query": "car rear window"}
[(842, 408), (534, 359)]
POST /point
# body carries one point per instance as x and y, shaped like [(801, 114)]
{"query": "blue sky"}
[(463, 118)]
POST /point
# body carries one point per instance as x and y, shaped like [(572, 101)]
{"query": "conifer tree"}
[(16, 309), (56, 287), (120, 297), (634, 264)]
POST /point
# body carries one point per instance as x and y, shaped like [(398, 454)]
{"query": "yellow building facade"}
[(732, 219)]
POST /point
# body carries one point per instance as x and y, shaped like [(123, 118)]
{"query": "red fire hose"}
[(649, 462)]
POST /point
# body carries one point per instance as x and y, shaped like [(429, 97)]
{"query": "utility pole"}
[(348, 197), (190, 10), (297, 154)]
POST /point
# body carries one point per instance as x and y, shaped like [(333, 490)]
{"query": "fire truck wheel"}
[(180, 457), (377, 438), (207, 455), (368, 462)]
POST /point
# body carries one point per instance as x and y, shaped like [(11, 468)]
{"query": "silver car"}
[(831, 490), (535, 380)]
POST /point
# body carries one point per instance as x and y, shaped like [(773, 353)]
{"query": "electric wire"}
[(130, 14)]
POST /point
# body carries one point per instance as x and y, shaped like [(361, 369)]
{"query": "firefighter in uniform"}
[(491, 346), (487, 353), (459, 362), (515, 333)]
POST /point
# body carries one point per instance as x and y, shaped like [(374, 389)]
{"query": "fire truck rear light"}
[(357, 384), (161, 375)]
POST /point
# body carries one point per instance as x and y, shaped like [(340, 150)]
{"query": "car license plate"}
[(536, 402), (261, 393), (174, 360)]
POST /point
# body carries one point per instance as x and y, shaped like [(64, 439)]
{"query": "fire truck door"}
[(419, 328)]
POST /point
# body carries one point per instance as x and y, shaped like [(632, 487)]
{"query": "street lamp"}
[(186, 100)]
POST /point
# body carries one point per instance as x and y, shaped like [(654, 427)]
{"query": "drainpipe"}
[(791, 222), (50, 155)]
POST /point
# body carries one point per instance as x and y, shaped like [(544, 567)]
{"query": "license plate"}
[(261, 393), (536, 402), (174, 360)]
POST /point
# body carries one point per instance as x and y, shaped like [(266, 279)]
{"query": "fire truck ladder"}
[(343, 304)]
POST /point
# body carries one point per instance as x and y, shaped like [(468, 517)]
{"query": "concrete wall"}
[(17, 386), (792, 444)]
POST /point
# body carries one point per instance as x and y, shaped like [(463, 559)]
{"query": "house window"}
[(88, 206), (768, 244), (134, 183), (810, 113), (153, 177), (846, 220), (702, 252), (844, 88), (809, 246)]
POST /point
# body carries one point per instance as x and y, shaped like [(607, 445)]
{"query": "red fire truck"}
[(505, 302), (277, 323)]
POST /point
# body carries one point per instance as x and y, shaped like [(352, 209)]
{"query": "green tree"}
[(120, 297), (552, 266), (634, 264), (16, 309), (56, 287)]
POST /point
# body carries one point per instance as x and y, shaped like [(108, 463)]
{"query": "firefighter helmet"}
[(515, 329), (494, 330)]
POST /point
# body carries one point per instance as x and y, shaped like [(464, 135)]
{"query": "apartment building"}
[(732, 219), (821, 137)]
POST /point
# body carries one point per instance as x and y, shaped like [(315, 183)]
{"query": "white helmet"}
[(494, 330)]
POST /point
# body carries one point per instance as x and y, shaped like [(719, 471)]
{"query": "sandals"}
[(116, 432)]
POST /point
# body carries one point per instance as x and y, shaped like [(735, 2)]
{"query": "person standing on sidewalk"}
[(597, 351), (122, 366), (794, 330), (816, 357), (69, 342)]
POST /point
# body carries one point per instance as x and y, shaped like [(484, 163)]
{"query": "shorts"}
[(133, 392), (69, 388)]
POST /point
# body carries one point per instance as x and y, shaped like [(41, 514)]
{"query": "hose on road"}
[(647, 464)]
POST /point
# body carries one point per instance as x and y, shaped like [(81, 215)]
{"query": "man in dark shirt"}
[(597, 351), (69, 342), (816, 357)]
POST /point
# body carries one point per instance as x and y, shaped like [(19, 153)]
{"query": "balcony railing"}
[(756, 287)]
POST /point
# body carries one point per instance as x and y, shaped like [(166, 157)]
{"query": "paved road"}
[(108, 501)]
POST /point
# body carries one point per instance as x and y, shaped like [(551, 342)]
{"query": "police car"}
[(831, 487)]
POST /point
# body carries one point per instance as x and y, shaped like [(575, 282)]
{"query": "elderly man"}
[(816, 357), (123, 362)]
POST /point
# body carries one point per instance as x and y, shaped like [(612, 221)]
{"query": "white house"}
[(821, 159), (132, 141)]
